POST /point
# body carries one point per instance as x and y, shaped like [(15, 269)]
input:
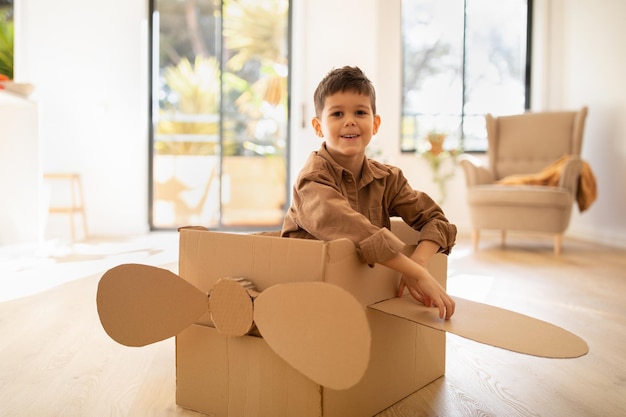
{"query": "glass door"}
[(219, 113)]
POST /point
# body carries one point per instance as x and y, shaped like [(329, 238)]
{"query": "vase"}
[(436, 141)]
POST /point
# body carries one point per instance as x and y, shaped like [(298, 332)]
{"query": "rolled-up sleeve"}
[(440, 232), (380, 247)]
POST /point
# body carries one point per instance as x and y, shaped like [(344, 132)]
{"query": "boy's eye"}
[(361, 112), (337, 114)]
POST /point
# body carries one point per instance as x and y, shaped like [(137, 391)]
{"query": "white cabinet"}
[(22, 213)]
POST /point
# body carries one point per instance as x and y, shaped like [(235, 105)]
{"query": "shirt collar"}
[(371, 170)]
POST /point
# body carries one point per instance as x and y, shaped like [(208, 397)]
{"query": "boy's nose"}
[(350, 121)]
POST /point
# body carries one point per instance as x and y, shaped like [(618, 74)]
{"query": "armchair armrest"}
[(475, 172), (570, 174)]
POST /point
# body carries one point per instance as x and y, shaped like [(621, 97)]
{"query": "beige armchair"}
[(526, 144)]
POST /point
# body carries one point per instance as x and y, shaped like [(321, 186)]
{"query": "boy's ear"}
[(376, 124), (315, 122)]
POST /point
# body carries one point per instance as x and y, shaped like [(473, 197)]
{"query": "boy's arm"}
[(424, 251), (421, 284)]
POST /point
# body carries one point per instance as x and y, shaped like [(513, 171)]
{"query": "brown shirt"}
[(327, 204)]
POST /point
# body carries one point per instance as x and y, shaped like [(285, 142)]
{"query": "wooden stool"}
[(76, 205)]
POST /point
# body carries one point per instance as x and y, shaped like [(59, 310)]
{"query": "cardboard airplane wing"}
[(493, 326)]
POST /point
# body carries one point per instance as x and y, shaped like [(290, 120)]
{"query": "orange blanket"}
[(587, 188)]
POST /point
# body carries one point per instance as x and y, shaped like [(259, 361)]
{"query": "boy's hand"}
[(427, 291), (422, 286)]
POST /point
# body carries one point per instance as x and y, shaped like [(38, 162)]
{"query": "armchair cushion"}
[(568, 172), (520, 207), (520, 196)]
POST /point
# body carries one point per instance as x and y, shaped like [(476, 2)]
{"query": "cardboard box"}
[(336, 340), (242, 376)]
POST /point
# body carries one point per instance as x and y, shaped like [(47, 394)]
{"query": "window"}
[(461, 60), (219, 113)]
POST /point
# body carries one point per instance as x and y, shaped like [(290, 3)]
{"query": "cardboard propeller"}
[(329, 341)]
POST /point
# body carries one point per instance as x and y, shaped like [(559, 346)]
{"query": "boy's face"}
[(347, 124)]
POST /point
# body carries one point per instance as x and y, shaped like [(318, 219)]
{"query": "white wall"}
[(587, 66), (88, 60), (21, 218)]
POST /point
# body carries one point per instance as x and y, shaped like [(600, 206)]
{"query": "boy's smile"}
[(347, 124)]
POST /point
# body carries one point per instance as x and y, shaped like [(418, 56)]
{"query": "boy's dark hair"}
[(343, 79)]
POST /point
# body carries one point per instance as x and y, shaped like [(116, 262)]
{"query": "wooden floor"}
[(55, 359)]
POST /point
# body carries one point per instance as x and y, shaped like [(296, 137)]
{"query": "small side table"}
[(76, 205)]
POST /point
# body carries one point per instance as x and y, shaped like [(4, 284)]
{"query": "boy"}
[(341, 194)]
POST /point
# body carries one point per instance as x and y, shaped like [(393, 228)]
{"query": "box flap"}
[(493, 326), (405, 232), (206, 257), (371, 284), (367, 284)]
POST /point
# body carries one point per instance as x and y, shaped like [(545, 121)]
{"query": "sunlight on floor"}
[(28, 269), (473, 287)]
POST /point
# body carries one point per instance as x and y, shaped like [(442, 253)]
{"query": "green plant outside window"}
[(6, 39), (220, 82)]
